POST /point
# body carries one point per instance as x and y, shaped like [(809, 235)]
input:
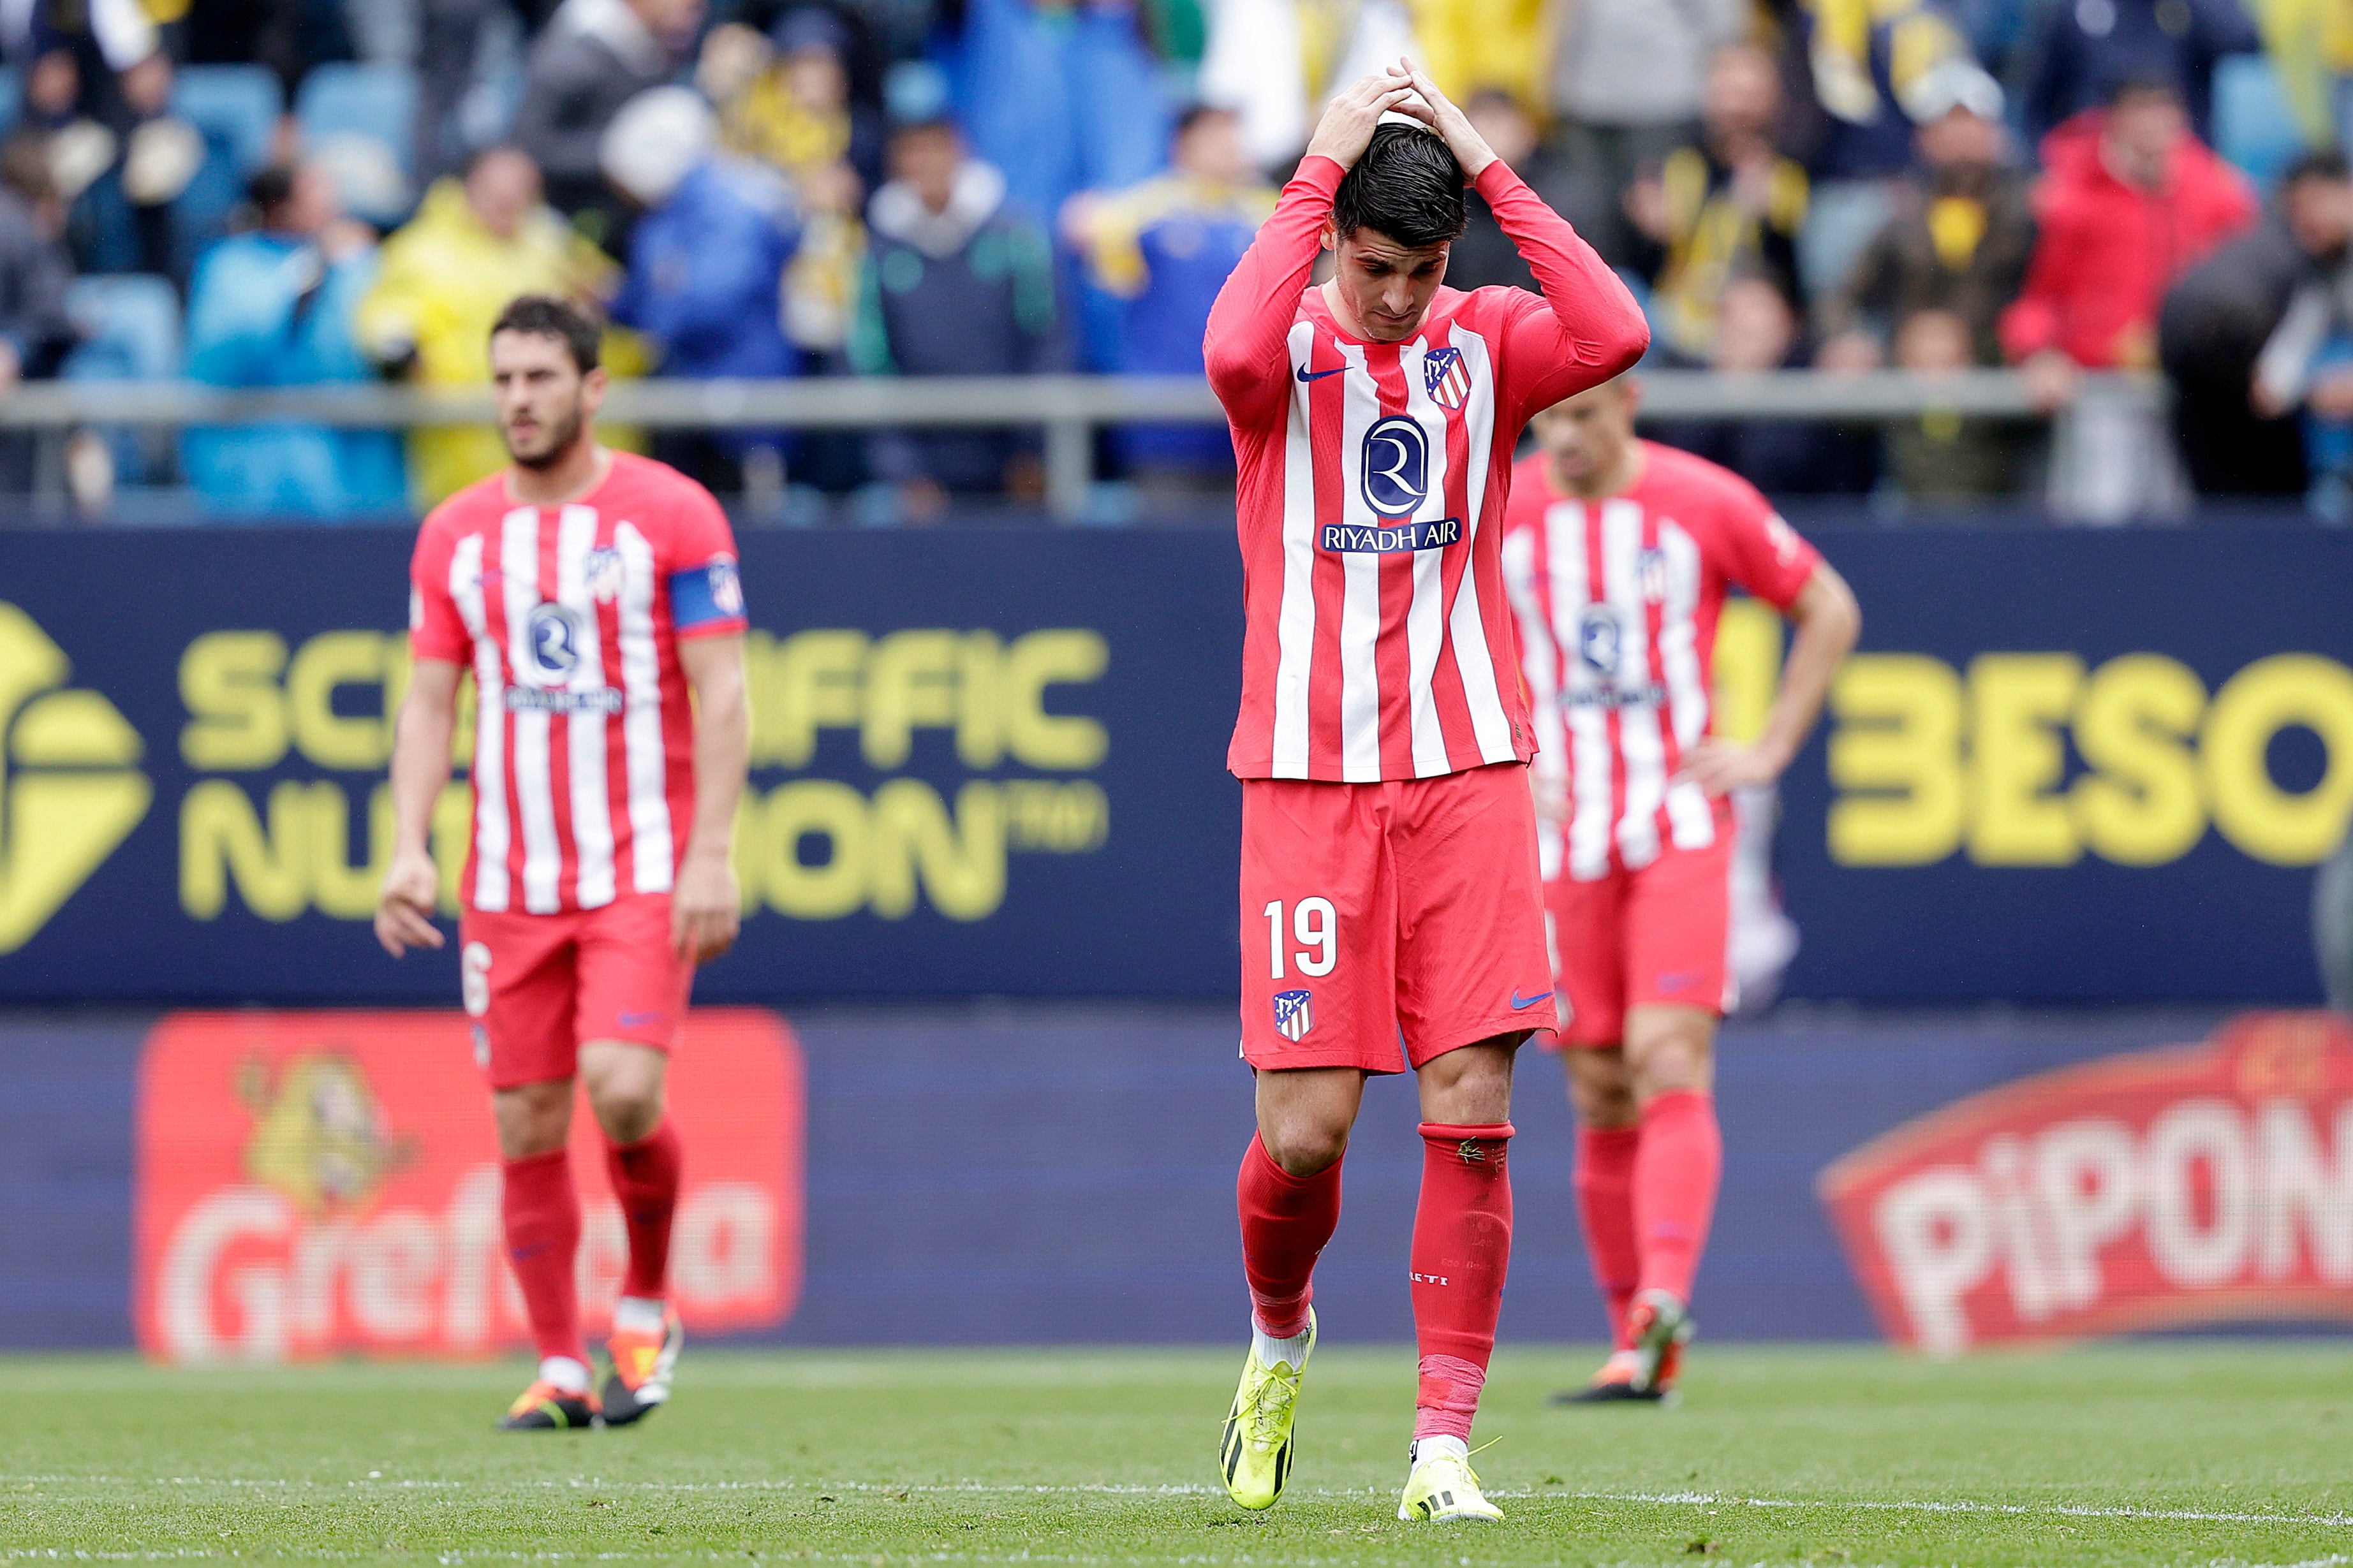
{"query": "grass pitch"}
[(2190, 1454)]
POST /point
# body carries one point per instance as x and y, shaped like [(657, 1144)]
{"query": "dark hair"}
[(1406, 186), (543, 315), (2328, 164), (270, 191), (2143, 82), (1196, 112)]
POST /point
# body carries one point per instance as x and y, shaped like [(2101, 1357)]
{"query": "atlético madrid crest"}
[(1293, 1017), (1445, 378)]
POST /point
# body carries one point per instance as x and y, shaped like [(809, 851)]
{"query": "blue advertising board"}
[(2065, 766)]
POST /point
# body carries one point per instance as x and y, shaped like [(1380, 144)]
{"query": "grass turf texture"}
[(2173, 1453)]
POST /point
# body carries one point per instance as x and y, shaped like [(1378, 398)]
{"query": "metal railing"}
[(1067, 409)]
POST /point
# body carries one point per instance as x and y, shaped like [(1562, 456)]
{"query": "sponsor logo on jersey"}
[(2186, 1185), (1292, 1015), (1598, 639), (1395, 479), (70, 791), (1447, 379), (555, 639), (539, 700), (1351, 538)]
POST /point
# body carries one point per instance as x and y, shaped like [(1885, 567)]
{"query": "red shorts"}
[(1384, 924), (538, 985), (1648, 937)]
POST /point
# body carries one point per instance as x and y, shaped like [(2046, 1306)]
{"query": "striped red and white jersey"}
[(583, 744), (1618, 600), (1371, 490)]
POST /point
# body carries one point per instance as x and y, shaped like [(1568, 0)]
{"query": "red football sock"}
[(1286, 1220), (1605, 1203), (1675, 1173), (645, 1179), (1461, 1249), (541, 1209)]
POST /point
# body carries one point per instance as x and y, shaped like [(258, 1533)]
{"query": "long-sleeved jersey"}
[(1373, 478)]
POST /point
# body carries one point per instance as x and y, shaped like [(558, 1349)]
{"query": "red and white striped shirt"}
[(1371, 491), (584, 745), (1618, 600)]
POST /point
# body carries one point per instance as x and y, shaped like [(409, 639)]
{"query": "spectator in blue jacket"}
[(2083, 50), (707, 263), (956, 282), (1161, 250), (274, 308)]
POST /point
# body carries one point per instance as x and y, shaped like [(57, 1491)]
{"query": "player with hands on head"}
[(1391, 908), (1618, 554), (594, 596)]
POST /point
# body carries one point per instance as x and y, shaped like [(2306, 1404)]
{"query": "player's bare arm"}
[(706, 906), (420, 768), (1828, 620)]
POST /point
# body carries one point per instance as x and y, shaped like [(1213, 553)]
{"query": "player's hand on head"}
[(1439, 113), (1719, 767), (1346, 127), (404, 910), (705, 909)]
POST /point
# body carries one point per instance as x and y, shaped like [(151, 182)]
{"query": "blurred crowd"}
[(294, 193)]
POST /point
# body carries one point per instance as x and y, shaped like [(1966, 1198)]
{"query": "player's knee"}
[(625, 1088), (534, 1118), (1303, 1145), (1600, 1089), (1673, 1061)]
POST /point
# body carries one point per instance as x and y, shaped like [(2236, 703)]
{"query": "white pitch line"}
[(1178, 1489)]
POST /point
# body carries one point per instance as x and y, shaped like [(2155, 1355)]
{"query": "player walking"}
[(591, 591), (1390, 890), (1617, 554)]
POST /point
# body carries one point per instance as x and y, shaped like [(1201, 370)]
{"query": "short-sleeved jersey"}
[(1618, 600), (570, 615), (1370, 497)]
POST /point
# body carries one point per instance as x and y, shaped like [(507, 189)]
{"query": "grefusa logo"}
[(69, 788)]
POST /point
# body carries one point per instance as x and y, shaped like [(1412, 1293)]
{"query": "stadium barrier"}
[(267, 1186), (1067, 409), (2067, 766)]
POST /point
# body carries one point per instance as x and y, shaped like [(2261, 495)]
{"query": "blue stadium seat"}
[(130, 331), (2253, 127), (375, 100), (356, 119), (236, 108), (11, 98)]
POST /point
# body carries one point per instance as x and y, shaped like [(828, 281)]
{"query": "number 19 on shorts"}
[(1314, 927)]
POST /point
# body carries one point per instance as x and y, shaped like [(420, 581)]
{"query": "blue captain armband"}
[(708, 598)]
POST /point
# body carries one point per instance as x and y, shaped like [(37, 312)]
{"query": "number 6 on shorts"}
[(1314, 923)]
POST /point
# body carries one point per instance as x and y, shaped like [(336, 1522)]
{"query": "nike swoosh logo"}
[(1306, 374), (1522, 1004)]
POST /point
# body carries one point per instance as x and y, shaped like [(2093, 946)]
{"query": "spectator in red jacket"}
[(2129, 201)]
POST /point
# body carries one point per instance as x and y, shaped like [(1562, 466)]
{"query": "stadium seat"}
[(356, 119), (11, 98), (236, 110), (130, 331), (2253, 126)]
